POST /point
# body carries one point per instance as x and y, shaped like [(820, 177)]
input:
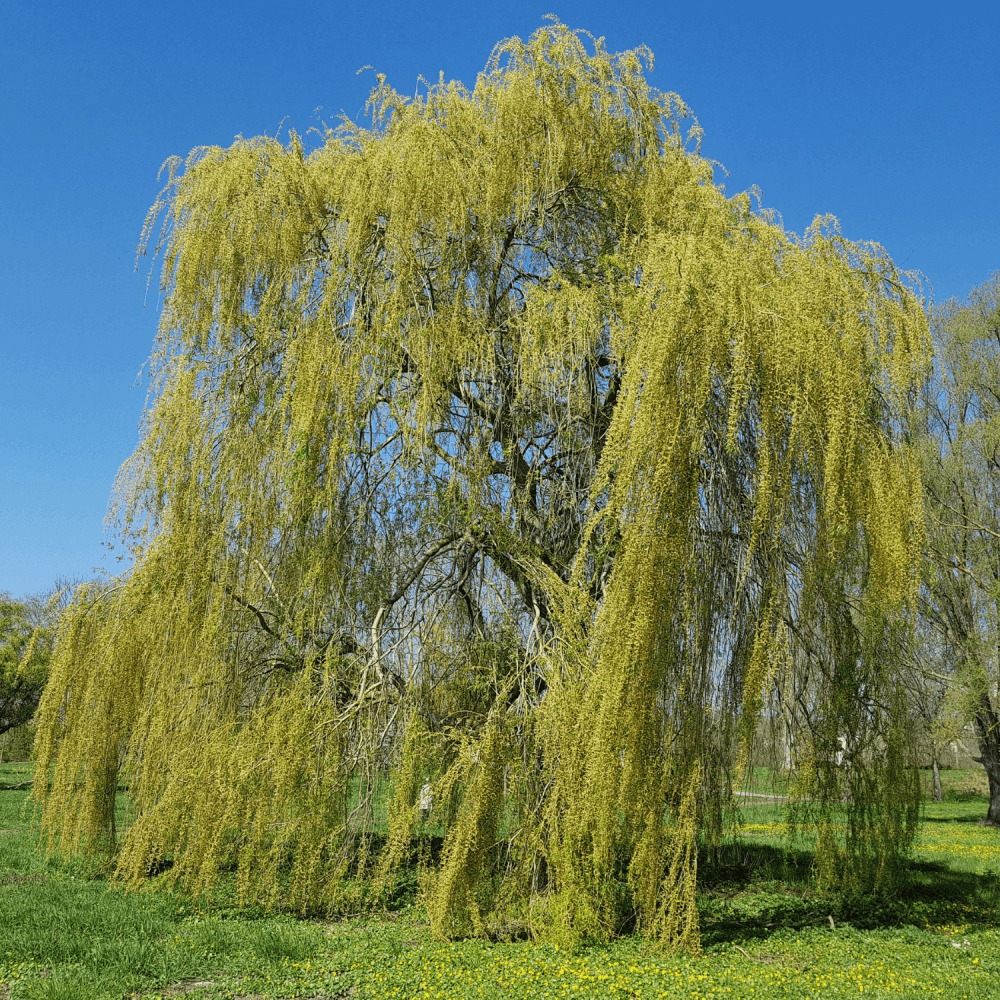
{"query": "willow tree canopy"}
[(493, 445)]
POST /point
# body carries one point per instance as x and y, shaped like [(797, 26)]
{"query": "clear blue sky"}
[(884, 114)]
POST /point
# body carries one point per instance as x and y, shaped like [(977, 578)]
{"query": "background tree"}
[(492, 444), (20, 685), (939, 718), (960, 421), (27, 633)]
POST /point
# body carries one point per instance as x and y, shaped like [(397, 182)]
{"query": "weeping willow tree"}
[(491, 445)]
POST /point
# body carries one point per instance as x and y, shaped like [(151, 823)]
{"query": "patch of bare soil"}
[(316, 996), (16, 879), (190, 985), (174, 989)]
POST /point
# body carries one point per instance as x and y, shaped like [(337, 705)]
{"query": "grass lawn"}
[(767, 933)]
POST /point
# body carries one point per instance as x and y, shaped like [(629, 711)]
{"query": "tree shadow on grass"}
[(745, 891), (957, 807), (753, 890), (952, 819)]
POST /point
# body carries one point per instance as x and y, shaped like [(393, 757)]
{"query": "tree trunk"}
[(539, 874), (936, 767), (988, 733)]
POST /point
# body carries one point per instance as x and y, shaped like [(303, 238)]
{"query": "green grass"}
[(767, 933)]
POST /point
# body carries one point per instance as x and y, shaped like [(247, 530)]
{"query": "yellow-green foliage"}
[(677, 920), (25, 647), (499, 419), (957, 422)]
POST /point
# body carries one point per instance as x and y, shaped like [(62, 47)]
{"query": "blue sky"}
[(883, 114)]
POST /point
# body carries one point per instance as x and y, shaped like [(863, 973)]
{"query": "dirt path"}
[(763, 798)]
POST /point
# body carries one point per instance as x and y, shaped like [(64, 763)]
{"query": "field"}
[(767, 933)]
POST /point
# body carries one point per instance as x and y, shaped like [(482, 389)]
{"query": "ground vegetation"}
[(767, 932)]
